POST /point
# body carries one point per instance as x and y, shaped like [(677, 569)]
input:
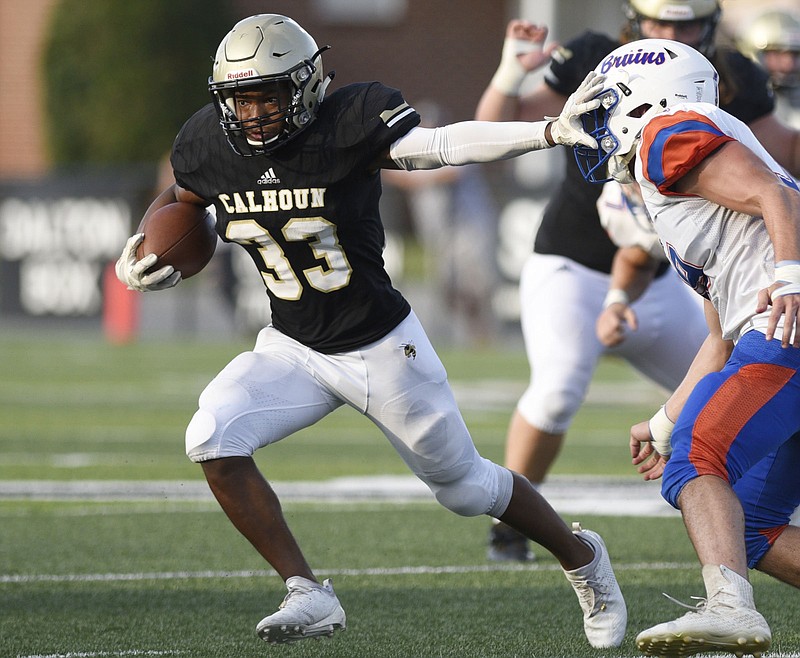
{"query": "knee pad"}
[(550, 411), (478, 487), (219, 428), (199, 432)]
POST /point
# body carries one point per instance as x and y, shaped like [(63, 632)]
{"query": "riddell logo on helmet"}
[(639, 57), (671, 13), (237, 75)]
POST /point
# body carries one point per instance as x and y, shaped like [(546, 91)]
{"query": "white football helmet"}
[(642, 79), (267, 49), (706, 11)]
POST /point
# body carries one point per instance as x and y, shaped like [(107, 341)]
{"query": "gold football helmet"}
[(774, 31), (267, 49), (707, 11)]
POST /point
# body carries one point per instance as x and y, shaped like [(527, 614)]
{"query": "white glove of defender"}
[(566, 129), (133, 273)]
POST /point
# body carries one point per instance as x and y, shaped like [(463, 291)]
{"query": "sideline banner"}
[(58, 234)]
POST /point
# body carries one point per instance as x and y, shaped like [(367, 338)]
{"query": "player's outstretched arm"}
[(470, 142)]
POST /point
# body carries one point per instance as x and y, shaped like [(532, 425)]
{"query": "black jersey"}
[(308, 214), (570, 226)]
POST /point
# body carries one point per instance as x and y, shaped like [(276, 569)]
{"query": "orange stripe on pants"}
[(738, 399)]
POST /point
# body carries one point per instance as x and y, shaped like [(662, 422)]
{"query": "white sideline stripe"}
[(375, 571), (567, 494)]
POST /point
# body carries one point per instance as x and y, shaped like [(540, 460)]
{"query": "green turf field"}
[(165, 576)]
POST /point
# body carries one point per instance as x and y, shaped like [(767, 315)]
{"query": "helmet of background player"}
[(703, 12), (774, 34), (643, 78), (267, 51)]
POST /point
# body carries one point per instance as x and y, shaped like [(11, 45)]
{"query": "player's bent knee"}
[(551, 411), (199, 432), (482, 488), (207, 439)]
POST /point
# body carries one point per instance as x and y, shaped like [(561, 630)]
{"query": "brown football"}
[(181, 235)]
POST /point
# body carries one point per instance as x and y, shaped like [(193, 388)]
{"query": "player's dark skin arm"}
[(170, 195)]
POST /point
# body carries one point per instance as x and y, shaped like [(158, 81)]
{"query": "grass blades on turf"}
[(99, 579), (171, 577), (78, 408)]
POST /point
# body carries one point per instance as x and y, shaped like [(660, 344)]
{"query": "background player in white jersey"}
[(340, 333), (728, 216), (572, 255)]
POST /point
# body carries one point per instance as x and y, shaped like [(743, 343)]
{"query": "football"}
[(181, 235)]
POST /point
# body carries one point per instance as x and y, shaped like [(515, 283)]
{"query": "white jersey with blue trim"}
[(726, 256)]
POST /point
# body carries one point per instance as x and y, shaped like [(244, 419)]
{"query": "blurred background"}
[(93, 92)]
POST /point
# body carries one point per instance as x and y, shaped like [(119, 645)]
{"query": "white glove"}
[(566, 129), (133, 273)]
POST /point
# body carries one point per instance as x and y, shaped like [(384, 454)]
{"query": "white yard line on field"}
[(374, 571), (567, 494)]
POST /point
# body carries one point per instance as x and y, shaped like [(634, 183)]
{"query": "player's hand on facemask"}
[(134, 273), (566, 129)]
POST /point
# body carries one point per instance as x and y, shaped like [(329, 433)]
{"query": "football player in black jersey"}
[(572, 254), (293, 174)]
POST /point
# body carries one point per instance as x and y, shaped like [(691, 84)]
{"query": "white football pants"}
[(398, 382), (560, 302)]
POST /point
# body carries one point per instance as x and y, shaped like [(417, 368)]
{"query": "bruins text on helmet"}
[(633, 95)]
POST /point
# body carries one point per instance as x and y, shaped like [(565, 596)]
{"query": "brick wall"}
[(22, 24), (433, 52)]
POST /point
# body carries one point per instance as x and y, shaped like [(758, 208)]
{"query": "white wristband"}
[(510, 74), (787, 289), (616, 296), (789, 273), (660, 427)]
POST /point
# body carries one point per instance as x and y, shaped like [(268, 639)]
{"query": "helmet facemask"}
[(267, 53), (294, 114), (617, 135)]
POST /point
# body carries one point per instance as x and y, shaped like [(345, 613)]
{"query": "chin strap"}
[(619, 167)]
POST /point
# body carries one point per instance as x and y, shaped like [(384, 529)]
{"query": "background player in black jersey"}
[(294, 177), (572, 255)]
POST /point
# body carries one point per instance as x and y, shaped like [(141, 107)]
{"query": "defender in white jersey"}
[(728, 217)]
